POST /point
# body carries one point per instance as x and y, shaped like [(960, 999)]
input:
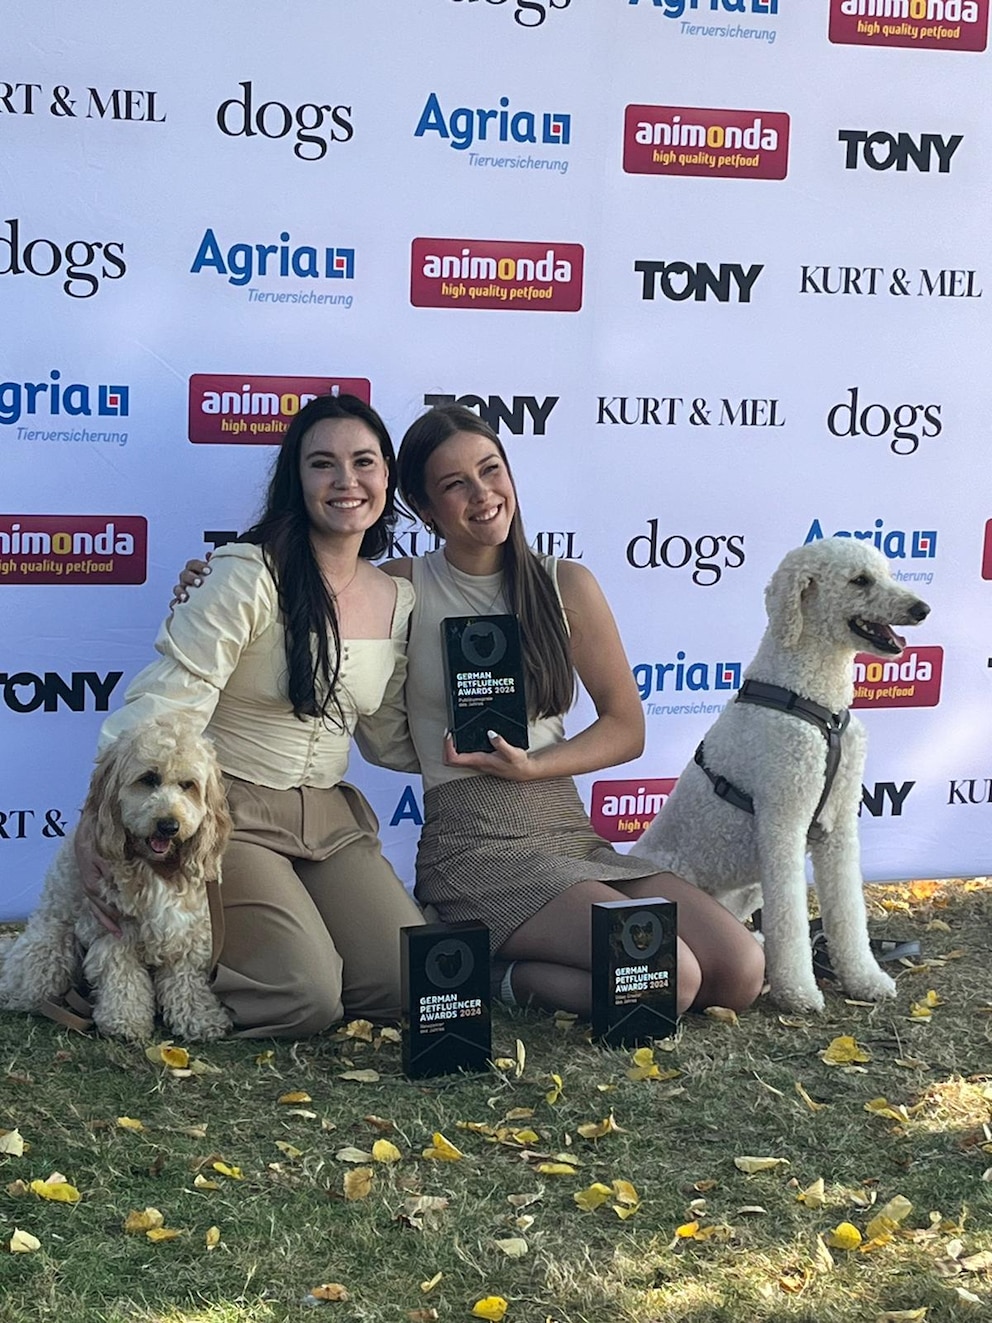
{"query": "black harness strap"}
[(831, 726)]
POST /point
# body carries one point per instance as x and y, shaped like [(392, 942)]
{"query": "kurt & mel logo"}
[(496, 273), (463, 126), (45, 257), (44, 549), (621, 810), (714, 144), (879, 150), (911, 680), (238, 117), (121, 103), (252, 410), (944, 25)]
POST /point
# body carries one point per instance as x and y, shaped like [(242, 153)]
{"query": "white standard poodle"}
[(158, 816), (779, 773)]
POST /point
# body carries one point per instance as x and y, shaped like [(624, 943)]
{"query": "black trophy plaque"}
[(484, 681), (633, 971), (446, 1024)]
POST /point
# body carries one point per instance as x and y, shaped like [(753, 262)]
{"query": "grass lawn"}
[(274, 1198)]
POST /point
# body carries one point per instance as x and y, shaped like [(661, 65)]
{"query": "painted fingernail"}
[(492, 735)]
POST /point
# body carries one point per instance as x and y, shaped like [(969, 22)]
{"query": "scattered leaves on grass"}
[(591, 1197), (442, 1150), (597, 1129), (514, 1248), (646, 1068), (811, 1103), (358, 1183), (882, 1107), (158, 1234), (722, 1014), (350, 1154), (515, 1063), (813, 1196), (845, 1236), (329, 1292), (844, 1051), (223, 1169), (11, 1143), (295, 1096), (492, 1307), (379, 1123), (423, 1210), (525, 1200), (422, 1315), (290, 1150), (557, 1169), (137, 1223), (361, 1029), (360, 1076), (902, 1316), (384, 1151), (56, 1188), (751, 1166), (212, 1237), (129, 1123), (22, 1242), (165, 1054), (431, 1282), (201, 1182)]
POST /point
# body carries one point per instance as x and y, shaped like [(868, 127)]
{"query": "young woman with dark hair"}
[(505, 837), (292, 642)]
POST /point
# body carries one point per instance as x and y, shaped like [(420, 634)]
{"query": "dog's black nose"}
[(166, 827), (919, 611)]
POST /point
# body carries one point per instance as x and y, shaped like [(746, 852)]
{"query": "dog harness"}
[(831, 726)]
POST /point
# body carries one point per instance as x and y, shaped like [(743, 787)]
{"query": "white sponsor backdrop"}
[(151, 174)]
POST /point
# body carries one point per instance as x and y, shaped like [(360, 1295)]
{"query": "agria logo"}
[(662, 679), (716, 18), (496, 273), (252, 410), (241, 263), (464, 126), (943, 25), (896, 543), (713, 144), (57, 399)]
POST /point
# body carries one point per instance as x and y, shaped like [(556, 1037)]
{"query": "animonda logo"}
[(621, 810), (879, 150), (496, 273), (253, 410), (713, 144), (951, 25), (46, 549)]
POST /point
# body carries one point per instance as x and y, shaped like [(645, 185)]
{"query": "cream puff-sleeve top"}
[(223, 656)]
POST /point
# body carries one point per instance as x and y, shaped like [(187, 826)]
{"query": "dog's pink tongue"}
[(160, 844), (899, 639)]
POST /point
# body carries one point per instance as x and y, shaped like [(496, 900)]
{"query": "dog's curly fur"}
[(825, 602), (159, 818)]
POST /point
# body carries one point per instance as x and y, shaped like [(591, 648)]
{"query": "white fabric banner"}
[(754, 231)]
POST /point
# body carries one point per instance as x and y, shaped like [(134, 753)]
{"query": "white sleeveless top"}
[(441, 590)]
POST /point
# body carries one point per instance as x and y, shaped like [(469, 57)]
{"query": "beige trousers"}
[(311, 913)]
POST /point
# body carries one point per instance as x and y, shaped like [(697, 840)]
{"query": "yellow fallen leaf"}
[(919, 1010), (164, 1054), (557, 1169), (290, 1150), (524, 1200), (811, 1103), (201, 1182), (360, 1076), (843, 1051), (882, 1107), (296, 1096), (888, 1218), (129, 1123), (796, 1281), (723, 1014), (22, 1242), (265, 1058), (357, 1029), (350, 1154), (554, 1093), (597, 1129), (592, 1196), (137, 1223), (752, 1165), (514, 1248), (157, 1234), (687, 1230), (442, 1150), (12, 1143), (492, 1307), (389, 1035), (60, 1192), (625, 1193), (330, 1291), (212, 1237), (358, 1183), (823, 1260), (431, 1282), (233, 1173), (845, 1236), (200, 1067), (813, 1196), (524, 1223), (384, 1151), (902, 1315), (704, 1187)]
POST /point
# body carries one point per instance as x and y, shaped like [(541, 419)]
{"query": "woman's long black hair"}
[(283, 533), (548, 671)]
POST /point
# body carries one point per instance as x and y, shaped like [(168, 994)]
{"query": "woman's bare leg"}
[(554, 951), (731, 962)]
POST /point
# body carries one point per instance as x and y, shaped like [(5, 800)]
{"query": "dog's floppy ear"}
[(207, 846), (784, 601), (102, 805)]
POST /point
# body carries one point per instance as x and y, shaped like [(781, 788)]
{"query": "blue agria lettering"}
[(896, 543), (676, 8), (242, 262), (53, 398), (463, 126)]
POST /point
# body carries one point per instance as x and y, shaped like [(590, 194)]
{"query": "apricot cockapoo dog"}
[(159, 818)]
